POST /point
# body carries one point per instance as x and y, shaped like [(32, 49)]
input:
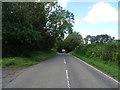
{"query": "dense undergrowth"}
[(103, 56)]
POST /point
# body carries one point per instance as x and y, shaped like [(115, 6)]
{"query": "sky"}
[(94, 18)]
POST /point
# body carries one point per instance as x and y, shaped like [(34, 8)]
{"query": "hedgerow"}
[(108, 52)]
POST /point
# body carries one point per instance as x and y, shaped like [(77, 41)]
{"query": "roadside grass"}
[(33, 58), (109, 68)]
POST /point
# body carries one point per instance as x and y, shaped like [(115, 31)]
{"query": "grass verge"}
[(34, 58), (109, 68)]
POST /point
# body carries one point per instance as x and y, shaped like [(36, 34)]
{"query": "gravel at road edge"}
[(9, 74)]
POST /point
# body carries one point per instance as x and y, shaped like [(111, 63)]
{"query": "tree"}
[(72, 41), (87, 38), (98, 39), (29, 26), (59, 45), (59, 21), (19, 33), (103, 38), (92, 39)]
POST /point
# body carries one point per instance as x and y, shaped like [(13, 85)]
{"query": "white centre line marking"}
[(68, 82), (64, 61), (66, 71)]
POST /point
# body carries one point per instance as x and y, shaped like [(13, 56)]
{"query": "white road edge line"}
[(68, 82), (98, 70)]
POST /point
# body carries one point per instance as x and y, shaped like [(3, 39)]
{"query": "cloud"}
[(63, 3), (77, 21), (102, 13)]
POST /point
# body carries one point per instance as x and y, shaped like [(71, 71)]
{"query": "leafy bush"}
[(108, 52)]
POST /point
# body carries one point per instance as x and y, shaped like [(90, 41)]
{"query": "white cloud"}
[(77, 21), (101, 13), (63, 3)]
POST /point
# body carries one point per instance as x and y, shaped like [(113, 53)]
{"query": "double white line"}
[(66, 71)]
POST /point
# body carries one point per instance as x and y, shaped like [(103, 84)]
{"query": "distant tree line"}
[(75, 39), (104, 38), (29, 26)]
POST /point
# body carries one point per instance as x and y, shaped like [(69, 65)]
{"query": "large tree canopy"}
[(33, 26), (72, 41)]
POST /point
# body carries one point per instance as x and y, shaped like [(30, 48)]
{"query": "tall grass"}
[(103, 56), (33, 58)]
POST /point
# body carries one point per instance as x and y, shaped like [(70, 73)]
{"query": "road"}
[(62, 71)]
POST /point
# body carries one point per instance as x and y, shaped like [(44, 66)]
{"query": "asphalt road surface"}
[(62, 71)]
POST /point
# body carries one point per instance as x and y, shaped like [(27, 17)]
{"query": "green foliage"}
[(98, 39), (59, 45), (72, 40), (107, 52), (110, 52), (110, 68), (34, 58), (103, 56), (40, 56), (31, 26)]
